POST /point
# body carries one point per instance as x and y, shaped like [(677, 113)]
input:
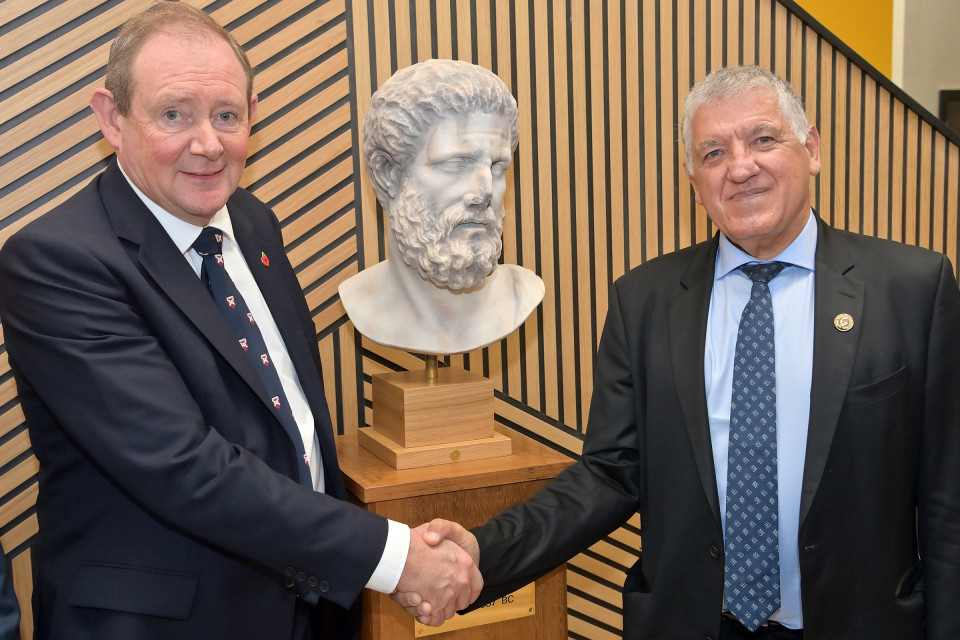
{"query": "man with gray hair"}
[(778, 403), (438, 140)]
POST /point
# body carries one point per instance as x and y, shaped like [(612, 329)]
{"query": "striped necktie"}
[(238, 316)]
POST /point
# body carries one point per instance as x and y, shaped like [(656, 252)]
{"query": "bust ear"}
[(385, 174)]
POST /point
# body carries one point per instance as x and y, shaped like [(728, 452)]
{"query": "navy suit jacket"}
[(168, 505), (9, 607), (879, 537)]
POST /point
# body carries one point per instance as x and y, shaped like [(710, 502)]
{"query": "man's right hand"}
[(440, 576)]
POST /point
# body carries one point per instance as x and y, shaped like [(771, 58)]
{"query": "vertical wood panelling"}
[(597, 185)]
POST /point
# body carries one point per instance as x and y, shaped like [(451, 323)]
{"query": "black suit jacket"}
[(9, 607), (168, 503), (879, 537)]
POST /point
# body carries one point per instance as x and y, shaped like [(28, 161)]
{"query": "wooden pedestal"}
[(419, 422), (468, 492)]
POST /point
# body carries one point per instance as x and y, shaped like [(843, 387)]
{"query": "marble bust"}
[(437, 141)]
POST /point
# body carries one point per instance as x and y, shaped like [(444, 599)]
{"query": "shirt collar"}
[(180, 231), (801, 252)]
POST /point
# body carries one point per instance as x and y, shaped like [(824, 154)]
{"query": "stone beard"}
[(430, 241)]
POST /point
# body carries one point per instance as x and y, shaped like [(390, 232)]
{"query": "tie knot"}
[(209, 241), (763, 271)]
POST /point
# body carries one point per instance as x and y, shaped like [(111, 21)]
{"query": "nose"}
[(206, 141), (478, 193), (743, 166)]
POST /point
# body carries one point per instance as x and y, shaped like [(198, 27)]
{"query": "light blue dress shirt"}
[(792, 296)]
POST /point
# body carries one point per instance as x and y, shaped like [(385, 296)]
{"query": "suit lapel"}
[(688, 311), (833, 354), (151, 247), (260, 254), (267, 264)]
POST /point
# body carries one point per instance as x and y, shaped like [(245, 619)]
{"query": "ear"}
[(105, 108), (384, 173), (693, 183), (251, 112), (813, 148)]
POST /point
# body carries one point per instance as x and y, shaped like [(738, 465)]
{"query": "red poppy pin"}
[(264, 259)]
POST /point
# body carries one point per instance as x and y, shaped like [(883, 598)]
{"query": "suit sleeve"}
[(589, 499), (9, 607), (86, 355), (938, 517)]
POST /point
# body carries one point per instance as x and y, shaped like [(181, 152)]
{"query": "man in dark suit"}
[(864, 513), (178, 498), (9, 606)]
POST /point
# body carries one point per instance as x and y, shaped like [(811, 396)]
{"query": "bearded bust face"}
[(447, 218)]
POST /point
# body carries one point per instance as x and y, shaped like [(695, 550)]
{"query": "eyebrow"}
[(752, 131), (460, 151), (706, 144), (471, 152), (763, 126), (179, 97)]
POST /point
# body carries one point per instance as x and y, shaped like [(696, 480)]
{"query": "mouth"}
[(473, 224), (206, 175), (746, 194)]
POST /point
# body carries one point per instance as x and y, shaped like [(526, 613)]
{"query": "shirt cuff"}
[(387, 574)]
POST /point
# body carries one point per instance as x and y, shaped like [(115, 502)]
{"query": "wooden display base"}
[(420, 422), (470, 492), (400, 457)]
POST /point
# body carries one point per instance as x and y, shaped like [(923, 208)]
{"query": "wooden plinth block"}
[(400, 457), (413, 411)]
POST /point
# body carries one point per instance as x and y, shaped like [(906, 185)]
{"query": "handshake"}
[(440, 576)]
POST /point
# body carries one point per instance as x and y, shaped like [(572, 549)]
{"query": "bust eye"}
[(499, 168), (453, 165)]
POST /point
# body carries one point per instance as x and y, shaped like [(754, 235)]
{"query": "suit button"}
[(714, 551), (289, 571), (312, 581), (324, 586), (301, 576)]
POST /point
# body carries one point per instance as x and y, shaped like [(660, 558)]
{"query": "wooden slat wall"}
[(596, 187)]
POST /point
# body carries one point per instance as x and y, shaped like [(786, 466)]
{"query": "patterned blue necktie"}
[(752, 560), (238, 316)]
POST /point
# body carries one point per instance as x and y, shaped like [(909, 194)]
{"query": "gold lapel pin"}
[(843, 322)]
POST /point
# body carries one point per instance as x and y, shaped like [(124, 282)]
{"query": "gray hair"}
[(416, 98), (732, 82)]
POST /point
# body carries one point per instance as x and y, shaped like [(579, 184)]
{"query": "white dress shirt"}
[(792, 296), (387, 574)]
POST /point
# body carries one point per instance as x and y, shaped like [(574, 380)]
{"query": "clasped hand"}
[(440, 576)]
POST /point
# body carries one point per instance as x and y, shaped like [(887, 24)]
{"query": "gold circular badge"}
[(843, 322)]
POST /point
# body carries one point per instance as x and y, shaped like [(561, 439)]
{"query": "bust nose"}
[(479, 192), (478, 200)]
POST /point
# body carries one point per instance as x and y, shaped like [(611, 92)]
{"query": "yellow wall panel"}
[(866, 26)]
